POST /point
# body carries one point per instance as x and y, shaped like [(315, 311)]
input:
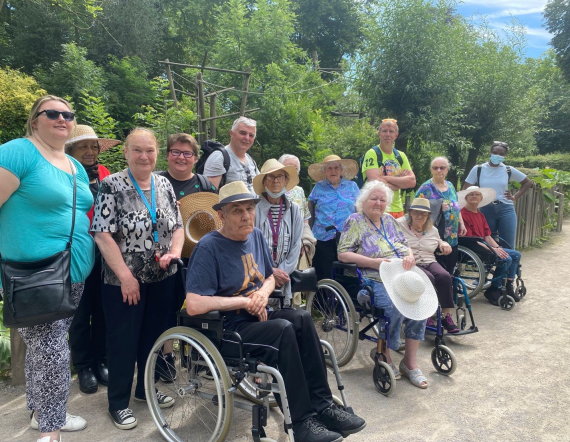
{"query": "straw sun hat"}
[(350, 168), (410, 290), (489, 195), (271, 166), (198, 218), (84, 132)]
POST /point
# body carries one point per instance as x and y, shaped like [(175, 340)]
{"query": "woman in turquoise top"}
[(36, 203), (439, 188)]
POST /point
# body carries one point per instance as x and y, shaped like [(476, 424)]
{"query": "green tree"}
[(557, 16), (18, 92)]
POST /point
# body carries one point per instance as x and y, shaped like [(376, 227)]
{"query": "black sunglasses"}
[(248, 175), (54, 114)]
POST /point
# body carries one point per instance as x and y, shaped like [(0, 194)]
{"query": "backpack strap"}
[(227, 162), (398, 156), (380, 154), (205, 183), (479, 167), (509, 171)]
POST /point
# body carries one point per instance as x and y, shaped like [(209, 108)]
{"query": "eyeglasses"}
[(248, 175), (54, 114), (391, 120), (275, 177), (439, 167), (186, 154)]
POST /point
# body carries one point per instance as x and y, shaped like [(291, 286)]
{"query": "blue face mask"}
[(497, 159), (276, 195)]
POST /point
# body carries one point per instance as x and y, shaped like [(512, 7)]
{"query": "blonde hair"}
[(140, 131), (34, 111), (385, 123), (370, 187)]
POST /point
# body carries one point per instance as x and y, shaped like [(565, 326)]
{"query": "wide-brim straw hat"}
[(350, 168), (270, 166), (198, 218), (489, 195), (83, 132), (411, 291), (234, 192), (421, 204)]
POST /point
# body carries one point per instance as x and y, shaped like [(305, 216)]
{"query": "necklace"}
[(45, 145), (419, 231)]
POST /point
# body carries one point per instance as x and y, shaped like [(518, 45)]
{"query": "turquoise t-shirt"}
[(35, 222)]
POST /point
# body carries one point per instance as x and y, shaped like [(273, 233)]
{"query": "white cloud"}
[(515, 12), (496, 4)]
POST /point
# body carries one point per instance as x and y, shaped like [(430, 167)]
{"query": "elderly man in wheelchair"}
[(479, 239), (230, 272)]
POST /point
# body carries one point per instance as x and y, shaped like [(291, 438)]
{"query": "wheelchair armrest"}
[(213, 315), (468, 241), (277, 294), (344, 265)]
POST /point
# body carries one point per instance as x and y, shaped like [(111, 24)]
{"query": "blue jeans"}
[(502, 219), (510, 267), (413, 329)]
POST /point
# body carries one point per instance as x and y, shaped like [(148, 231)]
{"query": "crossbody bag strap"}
[(74, 201)]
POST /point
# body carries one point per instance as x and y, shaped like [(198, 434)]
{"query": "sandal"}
[(395, 370), (416, 376)]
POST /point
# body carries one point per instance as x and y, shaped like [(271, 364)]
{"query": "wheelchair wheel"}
[(521, 289), (203, 409), (335, 319), (506, 302), (384, 379), (471, 270), (443, 360), (248, 389)]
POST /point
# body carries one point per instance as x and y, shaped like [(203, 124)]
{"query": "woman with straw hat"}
[(331, 202), (87, 331), (279, 220), (373, 239), (424, 240)]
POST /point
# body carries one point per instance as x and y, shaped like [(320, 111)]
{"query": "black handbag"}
[(303, 280), (437, 216), (37, 292)]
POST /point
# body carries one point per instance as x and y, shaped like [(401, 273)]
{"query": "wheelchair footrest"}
[(258, 421)]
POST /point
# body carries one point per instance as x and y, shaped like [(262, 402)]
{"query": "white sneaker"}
[(47, 439), (72, 423)]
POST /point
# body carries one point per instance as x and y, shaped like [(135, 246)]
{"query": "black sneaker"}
[(166, 368), (512, 292), (492, 294), (164, 401), (123, 419), (311, 430), (341, 421)]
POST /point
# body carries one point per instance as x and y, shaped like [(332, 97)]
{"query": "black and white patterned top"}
[(120, 210)]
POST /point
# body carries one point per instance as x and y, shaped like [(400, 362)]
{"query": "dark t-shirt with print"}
[(222, 267), (120, 211), (187, 187)]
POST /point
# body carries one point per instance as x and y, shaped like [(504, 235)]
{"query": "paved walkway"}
[(512, 382)]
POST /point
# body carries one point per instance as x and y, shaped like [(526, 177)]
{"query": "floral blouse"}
[(297, 195), (332, 206), (360, 236), (429, 191)]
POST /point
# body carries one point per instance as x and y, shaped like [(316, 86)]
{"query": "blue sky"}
[(500, 12)]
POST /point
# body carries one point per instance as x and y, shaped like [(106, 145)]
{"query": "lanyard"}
[(275, 229), (383, 234), (151, 208)]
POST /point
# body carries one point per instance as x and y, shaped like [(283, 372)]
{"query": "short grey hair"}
[(247, 121), (370, 187), (286, 157), (440, 158)]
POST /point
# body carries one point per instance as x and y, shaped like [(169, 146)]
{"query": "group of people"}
[(127, 291)]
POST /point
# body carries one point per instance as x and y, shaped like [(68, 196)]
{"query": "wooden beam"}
[(220, 91), (213, 117), (171, 84), (202, 104), (202, 67), (200, 125), (185, 93), (18, 358), (245, 88), (230, 115)]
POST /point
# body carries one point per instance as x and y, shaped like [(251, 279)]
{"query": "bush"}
[(561, 161)]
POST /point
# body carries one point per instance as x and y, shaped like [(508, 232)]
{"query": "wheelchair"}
[(475, 263), (338, 313), (204, 384)]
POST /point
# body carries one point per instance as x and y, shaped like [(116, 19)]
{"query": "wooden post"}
[(199, 117), (202, 105), (244, 94), (171, 84), (18, 358), (560, 219), (213, 115)]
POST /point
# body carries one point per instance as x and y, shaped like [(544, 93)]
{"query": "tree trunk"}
[(453, 155), (402, 144), (471, 161)]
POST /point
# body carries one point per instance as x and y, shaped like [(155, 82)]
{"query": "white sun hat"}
[(488, 194), (411, 290)]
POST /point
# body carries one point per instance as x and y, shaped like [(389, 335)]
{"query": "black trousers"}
[(448, 262), (325, 255), (87, 332), (289, 341), (132, 330)]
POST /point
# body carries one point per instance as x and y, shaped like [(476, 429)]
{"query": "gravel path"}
[(511, 383)]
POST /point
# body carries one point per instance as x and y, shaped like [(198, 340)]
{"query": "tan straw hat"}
[(198, 218), (489, 195), (421, 204), (234, 192), (83, 132), (410, 290), (317, 173), (270, 166)]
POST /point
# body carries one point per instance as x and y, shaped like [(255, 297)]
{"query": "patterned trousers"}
[(47, 369)]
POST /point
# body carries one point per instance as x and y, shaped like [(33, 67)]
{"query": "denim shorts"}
[(412, 330)]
